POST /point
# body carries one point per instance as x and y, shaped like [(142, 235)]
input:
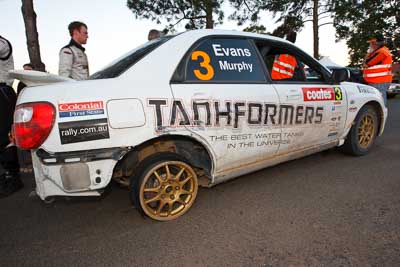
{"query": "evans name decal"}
[(227, 65)]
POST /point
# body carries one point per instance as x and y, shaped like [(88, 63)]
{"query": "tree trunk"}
[(315, 30), (209, 15), (32, 36)]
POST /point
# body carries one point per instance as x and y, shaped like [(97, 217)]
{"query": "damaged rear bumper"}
[(77, 173)]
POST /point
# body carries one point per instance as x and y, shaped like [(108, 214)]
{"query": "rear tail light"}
[(33, 123)]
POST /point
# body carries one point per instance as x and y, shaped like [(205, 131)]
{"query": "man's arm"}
[(375, 58), (65, 65)]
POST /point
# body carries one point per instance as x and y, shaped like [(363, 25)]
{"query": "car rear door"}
[(221, 86)]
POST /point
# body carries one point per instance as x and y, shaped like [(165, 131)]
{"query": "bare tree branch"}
[(323, 24), (327, 11), (324, 17)]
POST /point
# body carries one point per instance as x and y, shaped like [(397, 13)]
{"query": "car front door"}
[(312, 110), (221, 86)]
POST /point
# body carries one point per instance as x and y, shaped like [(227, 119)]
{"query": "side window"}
[(219, 60), (284, 66)]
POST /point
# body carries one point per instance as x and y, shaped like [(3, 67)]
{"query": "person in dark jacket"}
[(21, 85), (9, 167)]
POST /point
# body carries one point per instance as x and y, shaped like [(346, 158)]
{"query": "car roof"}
[(209, 32)]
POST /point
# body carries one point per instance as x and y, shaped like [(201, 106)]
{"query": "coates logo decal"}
[(318, 94), (80, 109)]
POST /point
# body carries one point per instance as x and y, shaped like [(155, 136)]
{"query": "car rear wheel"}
[(165, 187), (363, 132)]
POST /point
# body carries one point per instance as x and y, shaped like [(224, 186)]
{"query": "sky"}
[(113, 30)]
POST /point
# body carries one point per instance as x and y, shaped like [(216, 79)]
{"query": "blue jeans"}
[(382, 87)]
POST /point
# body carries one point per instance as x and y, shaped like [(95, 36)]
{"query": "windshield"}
[(117, 67)]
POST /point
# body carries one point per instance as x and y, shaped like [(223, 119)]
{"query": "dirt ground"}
[(327, 209)]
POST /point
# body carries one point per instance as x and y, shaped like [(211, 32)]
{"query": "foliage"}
[(357, 21), (255, 28), (196, 13), (291, 15)]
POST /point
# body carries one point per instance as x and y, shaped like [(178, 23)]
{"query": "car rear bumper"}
[(77, 173)]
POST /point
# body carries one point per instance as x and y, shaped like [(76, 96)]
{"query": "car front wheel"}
[(390, 95), (165, 187), (363, 132)]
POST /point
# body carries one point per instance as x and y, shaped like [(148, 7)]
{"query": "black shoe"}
[(9, 184)]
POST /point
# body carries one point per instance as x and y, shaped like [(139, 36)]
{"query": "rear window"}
[(120, 65), (224, 60)]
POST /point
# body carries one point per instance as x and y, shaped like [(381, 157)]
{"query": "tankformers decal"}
[(213, 113)]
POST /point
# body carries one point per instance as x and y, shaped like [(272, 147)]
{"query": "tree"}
[(255, 28), (357, 21), (32, 36), (197, 13), (292, 15)]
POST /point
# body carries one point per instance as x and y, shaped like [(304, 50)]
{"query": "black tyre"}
[(363, 133), (390, 95), (164, 187)]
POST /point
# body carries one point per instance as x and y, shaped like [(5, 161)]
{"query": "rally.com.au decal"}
[(82, 131)]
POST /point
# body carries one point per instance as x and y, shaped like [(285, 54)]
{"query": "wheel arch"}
[(195, 152), (379, 110)]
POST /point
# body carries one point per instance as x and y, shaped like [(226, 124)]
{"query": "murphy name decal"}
[(231, 114), (220, 51)]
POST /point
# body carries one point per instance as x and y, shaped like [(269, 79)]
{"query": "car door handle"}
[(293, 96), (197, 94)]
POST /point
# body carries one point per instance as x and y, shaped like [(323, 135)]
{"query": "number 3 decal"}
[(204, 64), (338, 93)]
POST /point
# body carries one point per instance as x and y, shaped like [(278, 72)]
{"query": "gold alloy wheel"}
[(168, 190), (366, 131)]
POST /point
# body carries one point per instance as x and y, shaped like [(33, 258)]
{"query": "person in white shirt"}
[(73, 60)]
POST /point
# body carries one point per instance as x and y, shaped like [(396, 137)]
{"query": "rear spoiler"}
[(36, 78)]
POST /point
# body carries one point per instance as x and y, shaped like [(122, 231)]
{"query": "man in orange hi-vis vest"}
[(378, 65), (284, 65)]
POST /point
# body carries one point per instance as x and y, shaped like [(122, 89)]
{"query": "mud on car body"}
[(190, 110)]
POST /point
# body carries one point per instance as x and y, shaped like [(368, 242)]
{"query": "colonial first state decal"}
[(80, 109)]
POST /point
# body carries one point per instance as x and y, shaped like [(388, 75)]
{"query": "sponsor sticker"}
[(216, 113), (224, 60), (338, 95), (318, 94), (80, 109), (352, 109), (365, 90), (83, 131)]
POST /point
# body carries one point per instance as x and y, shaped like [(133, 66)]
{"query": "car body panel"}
[(122, 113)]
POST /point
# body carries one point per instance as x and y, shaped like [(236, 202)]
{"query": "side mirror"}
[(340, 75)]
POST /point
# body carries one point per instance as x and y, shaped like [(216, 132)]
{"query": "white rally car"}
[(193, 109)]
